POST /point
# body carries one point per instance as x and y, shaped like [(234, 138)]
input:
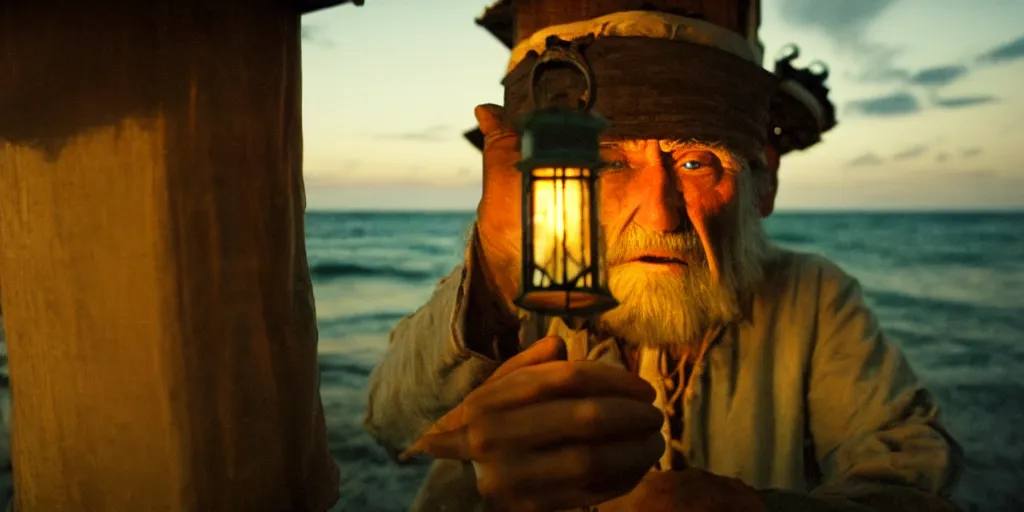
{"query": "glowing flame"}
[(561, 225)]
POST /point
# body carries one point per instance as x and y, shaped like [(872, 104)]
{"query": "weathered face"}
[(684, 238)]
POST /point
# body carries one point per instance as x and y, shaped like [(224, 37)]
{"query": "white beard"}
[(665, 309), (660, 308)]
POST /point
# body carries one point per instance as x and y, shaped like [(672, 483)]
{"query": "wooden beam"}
[(159, 312), (307, 6)]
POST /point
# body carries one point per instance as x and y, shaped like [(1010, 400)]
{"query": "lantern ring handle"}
[(558, 51)]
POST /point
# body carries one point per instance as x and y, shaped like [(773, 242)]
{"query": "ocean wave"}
[(368, 318), (940, 307), (371, 323), (335, 270), (792, 239), (435, 249), (340, 365)]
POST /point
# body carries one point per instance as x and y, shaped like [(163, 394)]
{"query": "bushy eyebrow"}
[(623, 145), (666, 145), (726, 157), (671, 145)]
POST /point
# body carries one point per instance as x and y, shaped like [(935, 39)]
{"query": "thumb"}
[(551, 348), (491, 119), (446, 433)]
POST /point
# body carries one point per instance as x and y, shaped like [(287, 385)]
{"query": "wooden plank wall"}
[(159, 312)]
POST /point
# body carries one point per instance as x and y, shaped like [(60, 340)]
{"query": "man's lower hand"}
[(554, 435), (688, 490)]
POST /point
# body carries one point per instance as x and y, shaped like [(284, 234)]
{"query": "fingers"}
[(559, 379), (567, 476), (523, 409), (551, 348), (449, 444), (541, 425), (563, 421), (500, 136), (491, 118), (547, 349)]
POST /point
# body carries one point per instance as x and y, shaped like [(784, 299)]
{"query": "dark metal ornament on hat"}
[(801, 109)]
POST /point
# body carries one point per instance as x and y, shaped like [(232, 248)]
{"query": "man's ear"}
[(771, 188)]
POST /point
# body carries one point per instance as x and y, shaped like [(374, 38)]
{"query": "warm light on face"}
[(561, 227)]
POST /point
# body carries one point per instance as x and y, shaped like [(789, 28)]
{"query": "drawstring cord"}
[(684, 385)]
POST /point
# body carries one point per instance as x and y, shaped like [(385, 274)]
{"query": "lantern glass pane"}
[(564, 240), (561, 227)]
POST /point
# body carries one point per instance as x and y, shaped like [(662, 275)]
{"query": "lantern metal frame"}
[(559, 137)]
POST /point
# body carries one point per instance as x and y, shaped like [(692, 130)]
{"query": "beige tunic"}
[(806, 393)]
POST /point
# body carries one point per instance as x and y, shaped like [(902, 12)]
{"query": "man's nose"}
[(661, 204)]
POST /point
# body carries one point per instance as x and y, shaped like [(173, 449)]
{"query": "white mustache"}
[(636, 242)]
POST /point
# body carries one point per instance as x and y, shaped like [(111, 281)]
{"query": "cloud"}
[(942, 157), (877, 64), (320, 177), (430, 133), (911, 153), (841, 19), (865, 160), (314, 35), (938, 76), (971, 152), (896, 104), (359, 173), (904, 103), (846, 22), (467, 175), (1013, 50), (964, 101)]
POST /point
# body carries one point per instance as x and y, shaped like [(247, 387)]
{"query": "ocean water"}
[(948, 287)]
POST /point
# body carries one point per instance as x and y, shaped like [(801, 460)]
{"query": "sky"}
[(928, 95)]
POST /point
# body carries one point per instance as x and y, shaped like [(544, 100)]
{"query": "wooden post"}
[(159, 312)]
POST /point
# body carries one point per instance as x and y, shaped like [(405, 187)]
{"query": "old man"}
[(735, 375)]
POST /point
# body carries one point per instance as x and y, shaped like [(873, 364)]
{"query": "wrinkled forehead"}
[(668, 145), (729, 156)]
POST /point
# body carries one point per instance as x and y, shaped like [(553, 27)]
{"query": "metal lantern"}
[(564, 269)]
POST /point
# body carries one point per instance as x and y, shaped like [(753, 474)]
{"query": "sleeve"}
[(874, 426), (428, 367)]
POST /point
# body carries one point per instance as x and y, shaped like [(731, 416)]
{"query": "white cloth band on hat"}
[(644, 24)]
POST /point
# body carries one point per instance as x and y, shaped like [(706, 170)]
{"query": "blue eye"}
[(692, 164)]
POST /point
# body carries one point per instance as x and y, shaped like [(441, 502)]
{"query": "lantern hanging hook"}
[(564, 53)]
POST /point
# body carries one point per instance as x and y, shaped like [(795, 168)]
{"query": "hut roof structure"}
[(308, 6)]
